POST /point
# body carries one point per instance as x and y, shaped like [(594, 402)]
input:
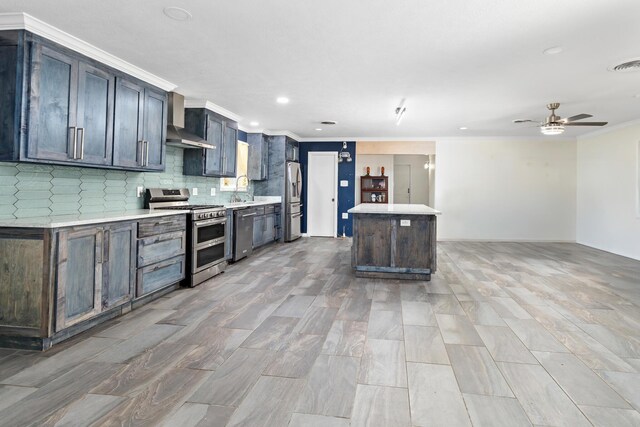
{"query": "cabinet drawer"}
[(269, 209), (159, 275), (259, 210), (160, 248), (161, 225)]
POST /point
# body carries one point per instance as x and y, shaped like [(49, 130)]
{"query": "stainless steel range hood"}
[(176, 135)]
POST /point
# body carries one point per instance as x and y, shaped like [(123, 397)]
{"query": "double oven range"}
[(206, 236)]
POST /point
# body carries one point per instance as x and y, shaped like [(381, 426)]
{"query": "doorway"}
[(402, 184), (322, 189)]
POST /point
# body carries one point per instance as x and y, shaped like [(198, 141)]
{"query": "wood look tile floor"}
[(505, 334)]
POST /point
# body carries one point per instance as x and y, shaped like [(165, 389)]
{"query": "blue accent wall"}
[(242, 135), (346, 171)]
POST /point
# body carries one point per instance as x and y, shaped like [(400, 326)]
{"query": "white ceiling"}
[(458, 63)]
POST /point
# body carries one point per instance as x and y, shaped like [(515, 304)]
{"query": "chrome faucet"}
[(234, 196)]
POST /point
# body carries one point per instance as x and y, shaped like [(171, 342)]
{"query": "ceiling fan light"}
[(552, 129)]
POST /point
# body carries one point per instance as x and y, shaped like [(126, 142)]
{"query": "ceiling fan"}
[(554, 125)]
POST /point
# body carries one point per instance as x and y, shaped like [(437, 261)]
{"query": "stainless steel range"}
[(206, 226)]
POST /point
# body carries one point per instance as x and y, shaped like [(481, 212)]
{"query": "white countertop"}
[(267, 200), (383, 208), (85, 219)]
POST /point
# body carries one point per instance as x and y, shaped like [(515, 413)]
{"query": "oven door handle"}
[(209, 222), (208, 244)]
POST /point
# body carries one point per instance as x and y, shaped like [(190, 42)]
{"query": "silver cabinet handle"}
[(81, 143), (75, 142), (141, 144), (251, 214), (146, 156)]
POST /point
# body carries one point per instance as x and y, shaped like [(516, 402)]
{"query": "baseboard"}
[(507, 240)]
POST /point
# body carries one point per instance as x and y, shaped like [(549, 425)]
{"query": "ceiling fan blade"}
[(576, 117), (524, 121), (586, 124)]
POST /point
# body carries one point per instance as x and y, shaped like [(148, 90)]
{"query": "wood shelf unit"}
[(374, 185)]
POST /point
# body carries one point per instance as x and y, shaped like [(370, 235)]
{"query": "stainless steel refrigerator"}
[(293, 206)]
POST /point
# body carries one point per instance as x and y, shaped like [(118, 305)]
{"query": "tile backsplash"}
[(33, 190)]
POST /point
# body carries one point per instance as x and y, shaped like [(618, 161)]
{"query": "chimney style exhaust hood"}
[(176, 135)]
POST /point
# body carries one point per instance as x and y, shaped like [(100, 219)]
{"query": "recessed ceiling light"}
[(282, 100), (318, 129), (464, 128), (629, 65), (177, 13), (553, 50), (254, 124)]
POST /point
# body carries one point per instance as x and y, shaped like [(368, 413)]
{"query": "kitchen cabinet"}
[(70, 109), (161, 253), (292, 150), (258, 165), (222, 134), (266, 225), (139, 126), (58, 106), (94, 271), (374, 189)]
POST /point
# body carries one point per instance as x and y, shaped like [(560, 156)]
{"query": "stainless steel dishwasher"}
[(243, 233)]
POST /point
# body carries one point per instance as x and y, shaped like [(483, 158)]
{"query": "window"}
[(242, 159)]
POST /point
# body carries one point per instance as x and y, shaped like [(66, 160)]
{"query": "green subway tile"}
[(6, 216), (93, 172), (65, 181), (7, 170), (65, 189), (32, 213), (34, 186), (34, 168), (91, 209), (8, 199), (64, 208), (8, 191), (66, 172), (115, 190), (7, 209), (32, 203), (64, 198), (92, 186), (32, 194), (92, 201), (116, 175)]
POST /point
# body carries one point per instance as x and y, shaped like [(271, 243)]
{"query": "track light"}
[(344, 154)]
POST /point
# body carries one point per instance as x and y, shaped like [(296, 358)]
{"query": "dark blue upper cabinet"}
[(74, 110), (222, 134), (258, 163)]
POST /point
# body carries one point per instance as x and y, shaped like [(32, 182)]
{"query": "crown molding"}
[(282, 133), (203, 103), (613, 128), (437, 138), (24, 21)]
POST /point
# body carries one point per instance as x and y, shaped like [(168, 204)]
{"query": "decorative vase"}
[(368, 170), (382, 171)]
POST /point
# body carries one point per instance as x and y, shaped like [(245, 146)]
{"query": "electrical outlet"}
[(194, 191), (345, 215), (405, 223), (213, 191), (139, 191)]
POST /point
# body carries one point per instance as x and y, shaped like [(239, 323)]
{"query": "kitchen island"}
[(394, 241)]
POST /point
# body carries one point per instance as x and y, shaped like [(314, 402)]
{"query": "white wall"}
[(506, 189), (608, 186), (419, 176), (374, 161)]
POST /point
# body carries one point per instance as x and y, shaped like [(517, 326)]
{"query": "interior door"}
[(402, 184), (322, 188)]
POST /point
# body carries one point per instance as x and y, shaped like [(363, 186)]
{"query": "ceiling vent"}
[(631, 65), (329, 122)]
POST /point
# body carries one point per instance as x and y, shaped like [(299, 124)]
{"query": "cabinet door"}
[(230, 147), (127, 131), (213, 156), (264, 169), (155, 125), (119, 264), (95, 115), (269, 228), (52, 105), (258, 231), (79, 275)]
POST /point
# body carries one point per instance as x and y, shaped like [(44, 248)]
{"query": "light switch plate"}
[(344, 183), (194, 191), (139, 191), (405, 223), (213, 191), (345, 215)]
